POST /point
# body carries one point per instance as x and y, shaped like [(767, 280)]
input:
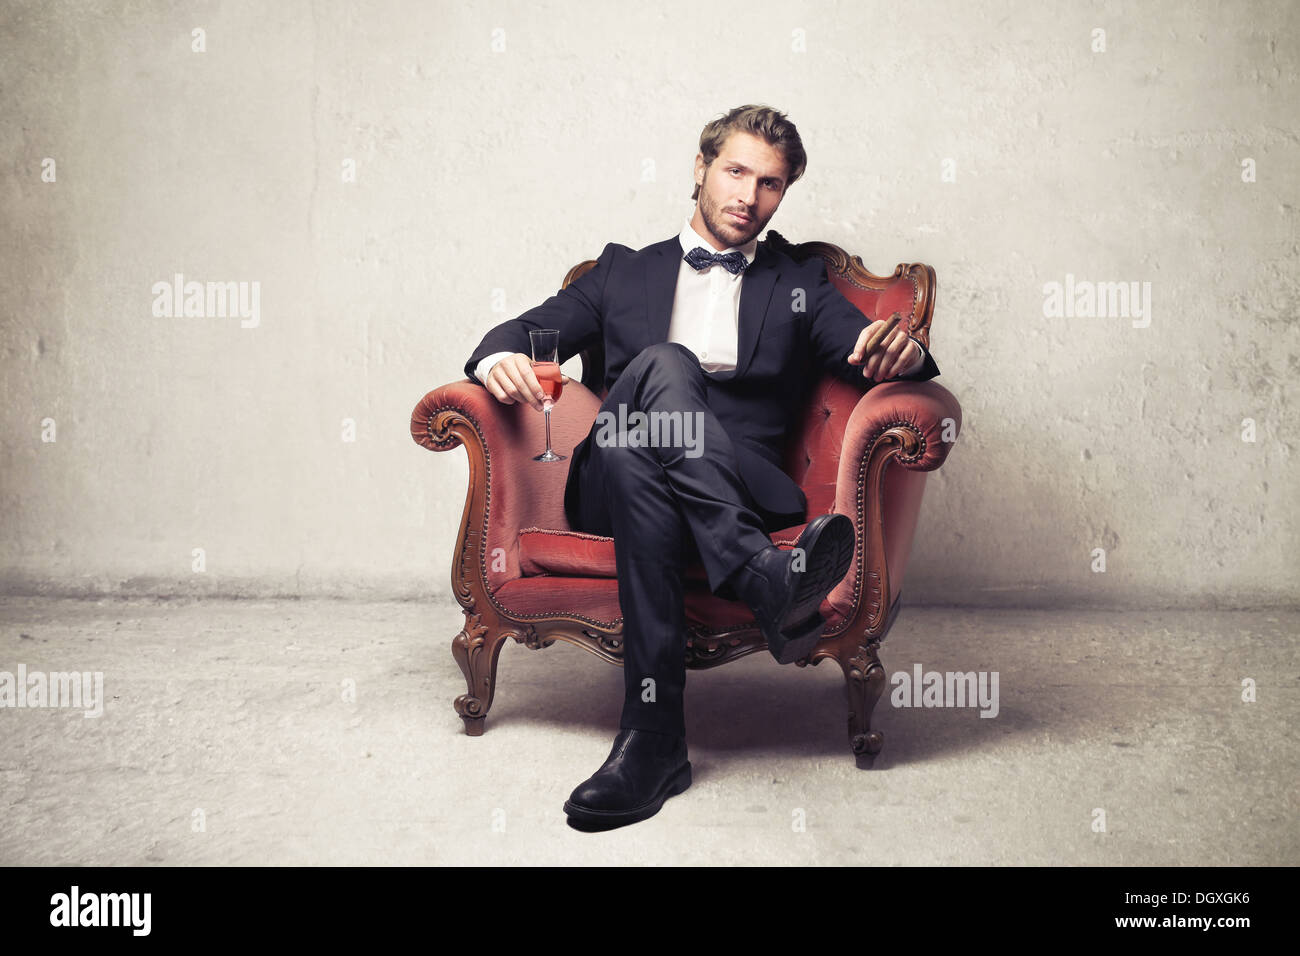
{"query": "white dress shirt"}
[(706, 310), (706, 305)]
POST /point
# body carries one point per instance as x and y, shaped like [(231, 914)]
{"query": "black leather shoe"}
[(642, 771), (785, 601)]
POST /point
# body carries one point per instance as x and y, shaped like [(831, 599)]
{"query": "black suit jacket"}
[(786, 340)]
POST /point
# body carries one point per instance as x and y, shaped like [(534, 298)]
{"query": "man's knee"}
[(624, 466), (667, 357)]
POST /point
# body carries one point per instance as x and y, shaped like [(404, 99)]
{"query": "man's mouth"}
[(738, 216)]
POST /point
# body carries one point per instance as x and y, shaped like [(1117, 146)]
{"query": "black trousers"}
[(667, 504)]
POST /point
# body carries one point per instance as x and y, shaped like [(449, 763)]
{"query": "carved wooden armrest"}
[(507, 489), (915, 422), (897, 432)]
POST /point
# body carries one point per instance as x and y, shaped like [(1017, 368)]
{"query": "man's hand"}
[(886, 349), (512, 380)]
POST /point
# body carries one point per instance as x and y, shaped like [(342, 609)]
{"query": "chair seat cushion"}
[(576, 554), (595, 600)]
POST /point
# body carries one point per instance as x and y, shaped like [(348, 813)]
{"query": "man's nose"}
[(747, 194)]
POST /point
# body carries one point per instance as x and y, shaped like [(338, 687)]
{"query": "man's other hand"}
[(895, 354), (512, 380)]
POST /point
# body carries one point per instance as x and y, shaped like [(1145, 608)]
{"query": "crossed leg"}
[(664, 507)]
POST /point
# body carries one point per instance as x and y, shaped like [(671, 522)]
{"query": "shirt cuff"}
[(484, 368), (916, 366)]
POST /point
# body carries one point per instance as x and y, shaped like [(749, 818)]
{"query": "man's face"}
[(739, 190)]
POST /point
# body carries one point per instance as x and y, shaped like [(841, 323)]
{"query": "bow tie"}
[(700, 259)]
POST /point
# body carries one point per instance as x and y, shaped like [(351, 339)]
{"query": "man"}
[(725, 332)]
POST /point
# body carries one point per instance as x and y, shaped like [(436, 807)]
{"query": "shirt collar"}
[(689, 239)]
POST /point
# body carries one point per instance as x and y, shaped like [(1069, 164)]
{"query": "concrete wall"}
[(495, 145)]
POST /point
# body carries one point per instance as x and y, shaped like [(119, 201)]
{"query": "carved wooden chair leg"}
[(476, 649), (864, 680)]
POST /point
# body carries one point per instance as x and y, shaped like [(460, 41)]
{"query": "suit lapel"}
[(661, 284), (755, 293)]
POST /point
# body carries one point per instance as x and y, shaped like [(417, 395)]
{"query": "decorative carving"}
[(872, 593), (729, 646), (532, 640), (476, 649), (864, 682), (703, 654), (442, 428)]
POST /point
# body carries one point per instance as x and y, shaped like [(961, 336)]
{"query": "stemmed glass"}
[(546, 366)]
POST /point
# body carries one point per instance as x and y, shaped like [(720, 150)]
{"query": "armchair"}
[(519, 571)]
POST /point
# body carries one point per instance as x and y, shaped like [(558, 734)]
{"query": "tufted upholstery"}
[(812, 458)]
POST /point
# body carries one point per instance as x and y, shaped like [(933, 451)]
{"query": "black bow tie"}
[(700, 259)]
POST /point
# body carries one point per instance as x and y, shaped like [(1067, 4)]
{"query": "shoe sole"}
[(589, 820), (828, 556)]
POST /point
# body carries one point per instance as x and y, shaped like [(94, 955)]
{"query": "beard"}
[(725, 230)]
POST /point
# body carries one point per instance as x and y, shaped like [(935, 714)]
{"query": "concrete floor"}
[(235, 709)]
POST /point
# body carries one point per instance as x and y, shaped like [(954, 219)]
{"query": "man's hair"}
[(761, 121)]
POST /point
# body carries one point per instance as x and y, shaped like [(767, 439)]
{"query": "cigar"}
[(879, 334)]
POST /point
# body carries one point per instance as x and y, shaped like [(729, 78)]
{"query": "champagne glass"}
[(546, 366)]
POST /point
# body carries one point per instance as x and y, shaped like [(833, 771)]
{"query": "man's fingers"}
[(509, 394), (507, 391), (903, 361), (513, 383), (525, 390), (885, 362), (871, 368), (880, 331), (513, 380), (870, 337), (493, 384), (530, 378)]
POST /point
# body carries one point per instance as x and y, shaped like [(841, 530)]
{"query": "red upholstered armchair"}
[(520, 572)]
